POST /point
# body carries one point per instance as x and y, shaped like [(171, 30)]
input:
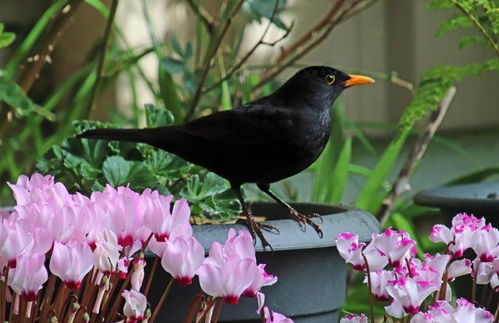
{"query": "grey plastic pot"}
[(312, 275), (477, 199)]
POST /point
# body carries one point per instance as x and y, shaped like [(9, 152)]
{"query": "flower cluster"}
[(98, 242), (409, 281)]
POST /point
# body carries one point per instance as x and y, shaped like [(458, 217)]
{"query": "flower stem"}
[(162, 300), (496, 315), (369, 285), (59, 300), (3, 293), (473, 287), (151, 275), (218, 310), (47, 297), (206, 311), (193, 308), (117, 299)]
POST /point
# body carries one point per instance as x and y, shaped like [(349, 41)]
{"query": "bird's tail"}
[(131, 135)]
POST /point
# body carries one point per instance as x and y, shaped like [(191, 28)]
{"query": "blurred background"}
[(158, 42)]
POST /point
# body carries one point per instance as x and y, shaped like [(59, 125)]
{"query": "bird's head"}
[(321, 85)]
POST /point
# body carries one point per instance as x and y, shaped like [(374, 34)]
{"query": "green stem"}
[(208, 59), (369, 285), (100, 64)]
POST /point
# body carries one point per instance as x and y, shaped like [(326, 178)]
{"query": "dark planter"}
[(312, 275), (477, 199)]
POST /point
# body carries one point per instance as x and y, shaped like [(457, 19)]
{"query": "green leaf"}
[(140, 177), (259, 9), (197, 189), (173, 66), (471, 40), (13, 96), (168, 92), (157, 117), (340, 173), (6, 39), (453, 23), (438, 4), (369, 196), (176, 46), (116, 169), (226, 104)]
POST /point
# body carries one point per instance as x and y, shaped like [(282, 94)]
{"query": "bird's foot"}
[(304, 219), (255, 229)]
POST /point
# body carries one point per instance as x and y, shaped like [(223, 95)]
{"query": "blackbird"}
[(260, 142)]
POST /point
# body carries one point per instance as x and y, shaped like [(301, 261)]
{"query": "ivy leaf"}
[(197, 189), (158, 117), (116, 169)]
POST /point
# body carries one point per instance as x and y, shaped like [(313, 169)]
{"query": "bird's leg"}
[(255, 228), (302, 219)]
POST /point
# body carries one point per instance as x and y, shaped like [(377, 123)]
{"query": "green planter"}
[(312, 275)]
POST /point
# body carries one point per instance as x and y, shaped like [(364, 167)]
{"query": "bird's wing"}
[(245, 125)]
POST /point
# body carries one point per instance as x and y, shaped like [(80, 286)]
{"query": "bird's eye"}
[(329, 79)]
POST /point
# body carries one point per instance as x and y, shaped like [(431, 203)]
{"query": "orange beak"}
[(357, 80)]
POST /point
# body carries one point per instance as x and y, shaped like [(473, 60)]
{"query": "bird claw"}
[(255, 229), (303, 220)]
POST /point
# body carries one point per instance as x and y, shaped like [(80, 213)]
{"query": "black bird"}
[(260, 142)]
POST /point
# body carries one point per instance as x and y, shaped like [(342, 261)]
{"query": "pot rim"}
[(291, 237), (466, 196)]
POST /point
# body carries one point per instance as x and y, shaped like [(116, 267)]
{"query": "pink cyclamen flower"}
[(396, 246), (29, 276), (351, 250), (460, 236), (484, 242), (71, 262), (135, 305), (459, 268), (408, 295), (124, 210), (269, 316), (14, 241), (262, 278), (230, 269), (354, 318), (483, 271), (274, 317), (159, 219), (107, 252), (465, 312), (379, 281), (122, 267), (138, 273), (39, 188), (182, 258)]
